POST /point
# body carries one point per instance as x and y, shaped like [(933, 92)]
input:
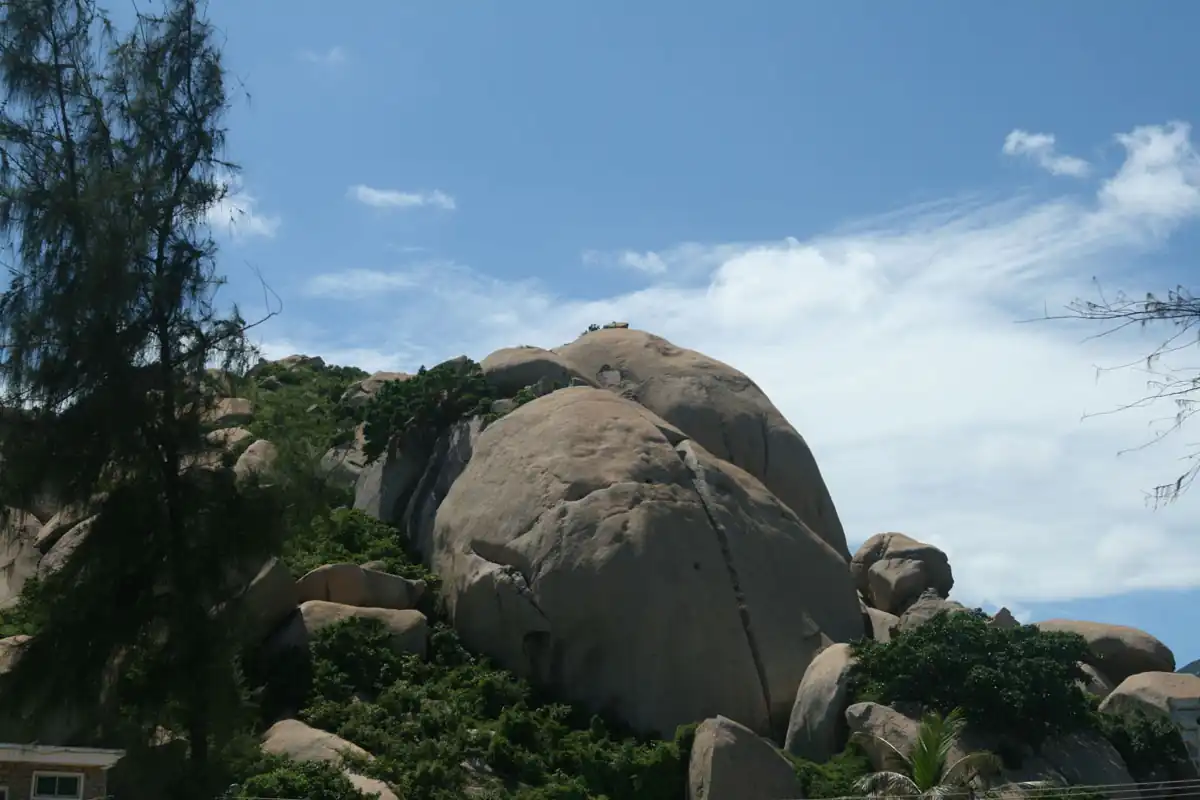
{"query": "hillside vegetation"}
[(453, 723)]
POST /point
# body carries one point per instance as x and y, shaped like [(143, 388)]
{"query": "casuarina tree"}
[(111, 166)]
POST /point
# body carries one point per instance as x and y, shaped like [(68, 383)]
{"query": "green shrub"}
[(24, 616), (298, 780), (836, 777), (305, 407), (419, 409), (424, 719), (1148, 744), (346, 535), (1013, 681)]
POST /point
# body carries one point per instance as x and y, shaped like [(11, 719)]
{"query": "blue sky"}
[(853, 202)]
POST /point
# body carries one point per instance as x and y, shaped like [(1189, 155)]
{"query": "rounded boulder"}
[(590, 546)]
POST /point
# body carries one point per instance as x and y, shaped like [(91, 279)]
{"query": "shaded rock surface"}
[(926, 607), (19, 553), (1080, 759), (513, 368)]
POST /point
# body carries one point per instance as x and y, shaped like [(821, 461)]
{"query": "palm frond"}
[(886, 784), (981, 764), (892, 756)]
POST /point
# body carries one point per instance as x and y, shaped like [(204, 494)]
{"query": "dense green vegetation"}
[(1017, 681), (1020, 683), (419, 409), (1148, 745), (454, 721)]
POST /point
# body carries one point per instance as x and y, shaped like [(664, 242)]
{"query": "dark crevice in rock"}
[(504, 557), (765, 432), (703, 491), (729, 454)]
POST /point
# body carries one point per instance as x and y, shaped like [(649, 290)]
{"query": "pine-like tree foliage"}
[(110, 165)]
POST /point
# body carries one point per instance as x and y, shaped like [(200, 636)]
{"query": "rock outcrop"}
[(294, 739), (817, 727), (730, 762), (1117, 651), (352, 585), (719, 408), (892, 570), (19, 554), (361, 393), (593, 547), (1168, 695), (408, 630), (512, 369)]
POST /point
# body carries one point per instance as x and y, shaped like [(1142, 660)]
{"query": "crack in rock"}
[(765, 432), (688, 456)]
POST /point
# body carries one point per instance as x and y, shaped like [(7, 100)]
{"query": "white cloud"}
[(1040, 148), (236, 216), (893, 347), (329, 58), (648, 262), (1160, 179), (391, 198), (358, 283)]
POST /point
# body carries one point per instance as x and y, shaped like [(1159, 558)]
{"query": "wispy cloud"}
[(358, 283), (329, 58), (648, 262), (892, 346), (1040, 147), (392, 198), (236, 215)]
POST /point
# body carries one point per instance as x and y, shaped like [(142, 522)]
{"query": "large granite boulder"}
[(591, 546), (1118, 651), (719, 408)]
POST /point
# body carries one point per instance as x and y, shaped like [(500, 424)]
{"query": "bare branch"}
[(1180, 313)]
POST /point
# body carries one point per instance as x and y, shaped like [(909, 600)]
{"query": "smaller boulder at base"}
[(352, 585), (817, 728), (1171, 695), (408, 631), (731, 762)]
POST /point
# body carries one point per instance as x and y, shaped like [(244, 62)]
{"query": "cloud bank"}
[(895, 347)]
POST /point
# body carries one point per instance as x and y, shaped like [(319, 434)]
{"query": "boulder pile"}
[(648, 537)]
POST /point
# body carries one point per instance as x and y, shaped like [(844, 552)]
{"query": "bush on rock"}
[(419, 409), (1019, 682)]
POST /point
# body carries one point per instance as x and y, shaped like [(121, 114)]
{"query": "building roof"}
[(52, 755)]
